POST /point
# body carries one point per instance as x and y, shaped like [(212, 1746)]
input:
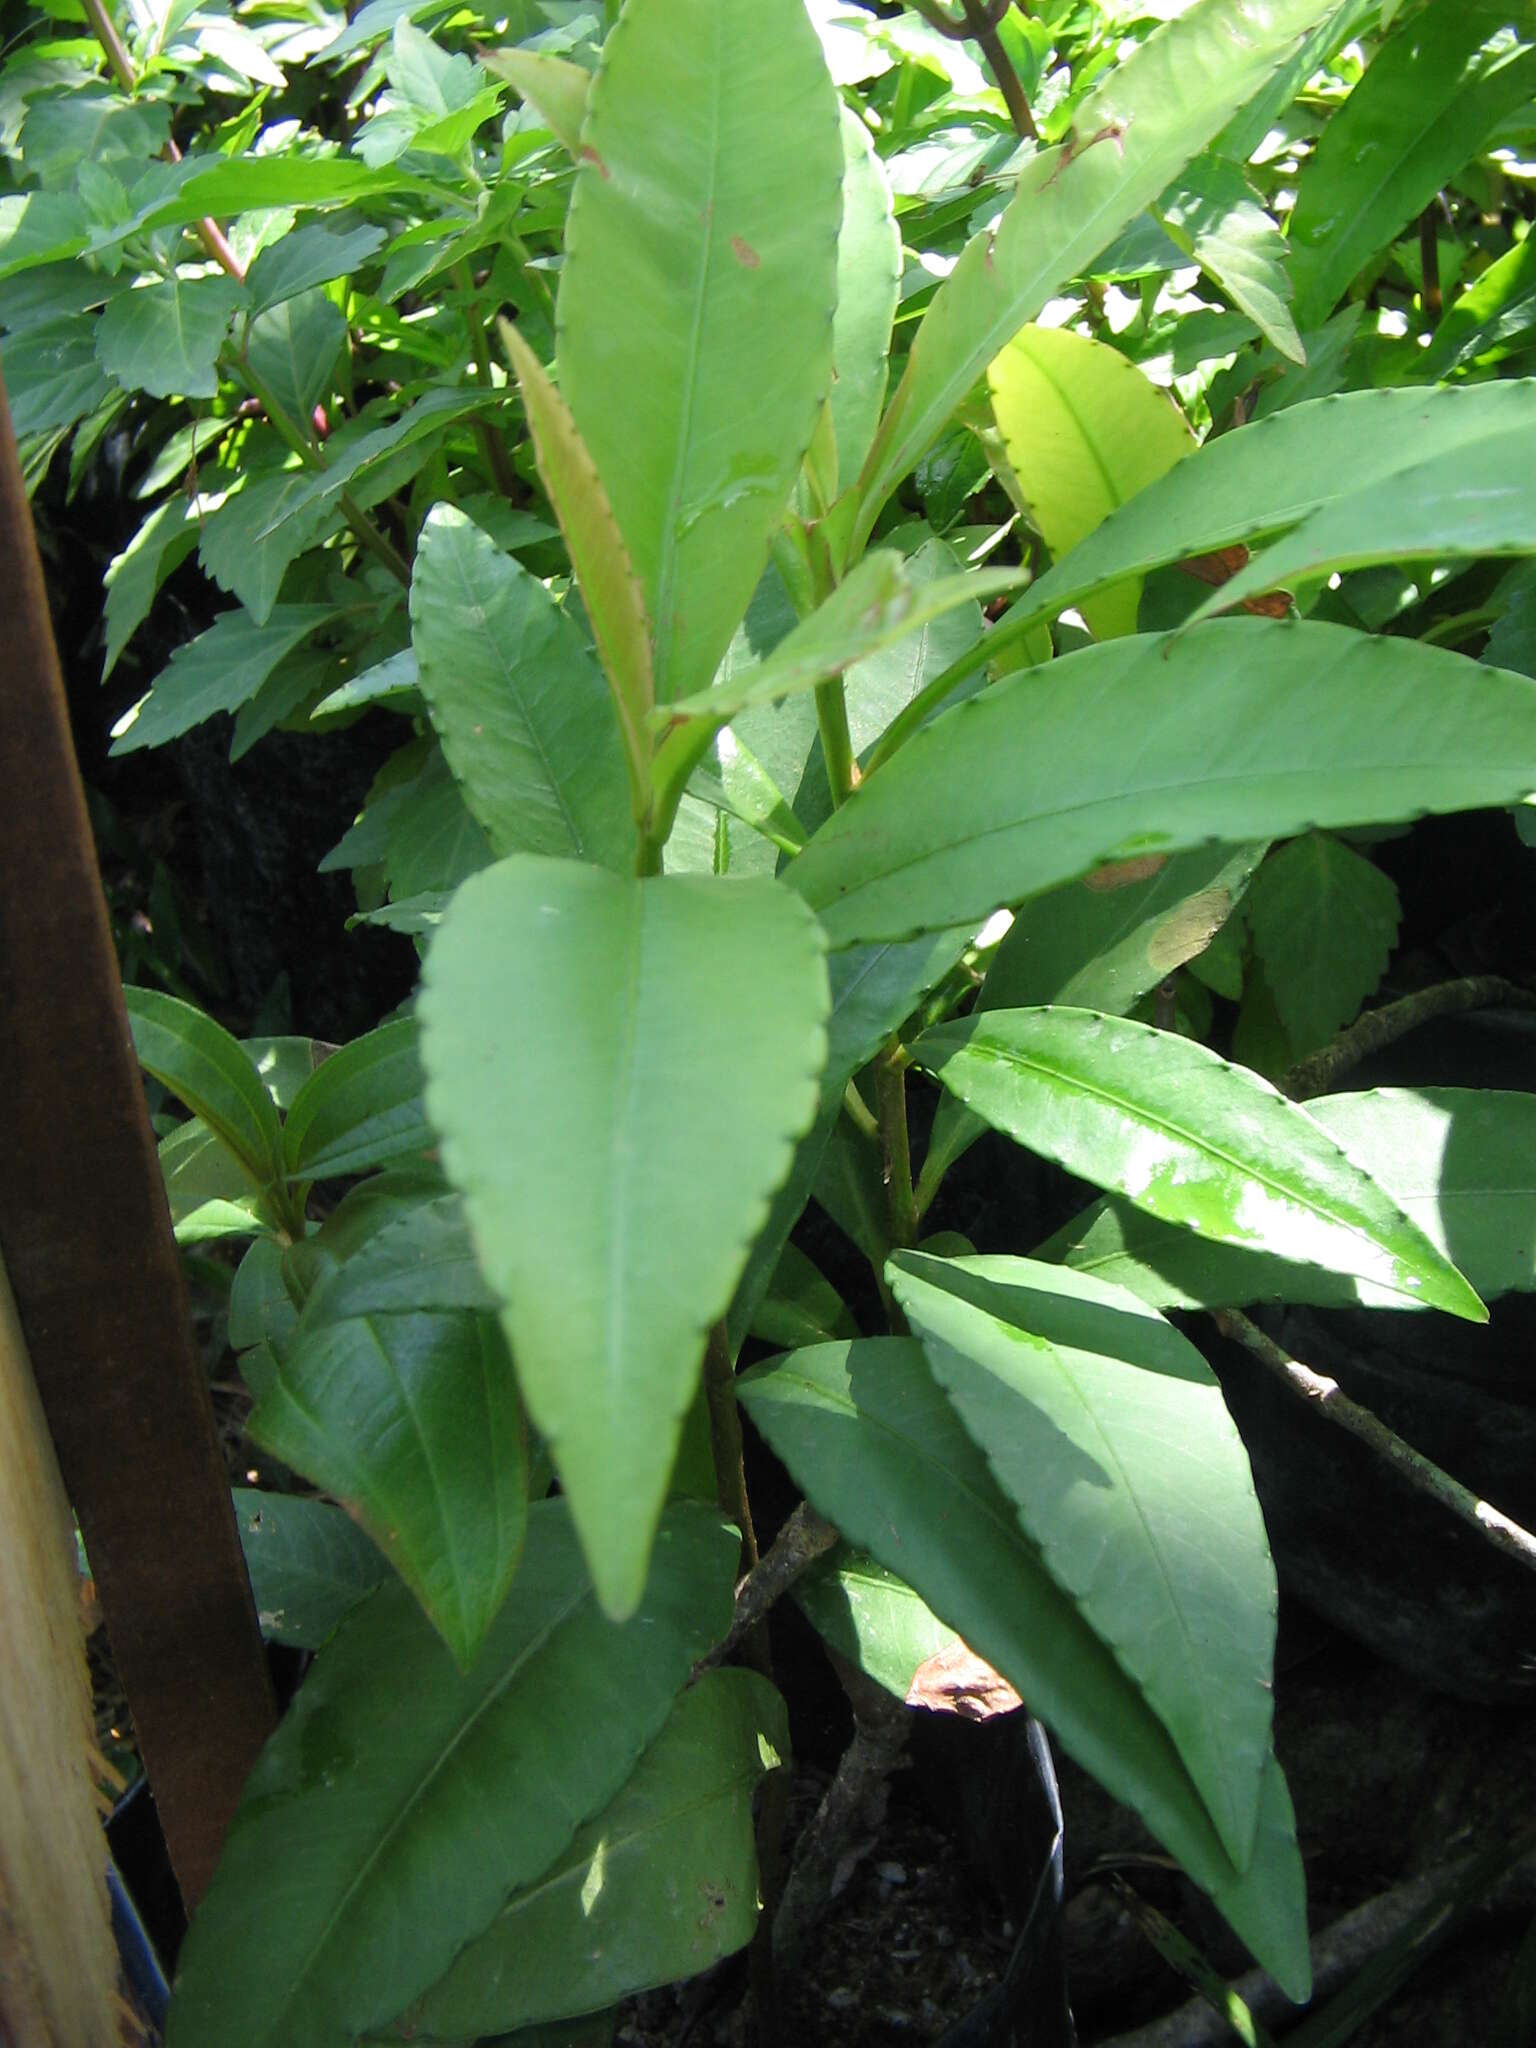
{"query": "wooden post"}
[(86, 1238)]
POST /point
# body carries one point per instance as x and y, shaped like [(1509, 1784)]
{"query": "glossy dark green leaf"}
[(1238, 729), (728, 289), (420, 1259), (211, 1073), (870, 1436), (1136, 128), (1422, 106), (309, 1563), (220, 670), (1323, 920), (614, 1031), (165, 337), (401, 1801), (360, 1108), (1178, 1131), (412, 1422), (521, 709), (657, 1887), (1107, 1431), (1458, 1161)]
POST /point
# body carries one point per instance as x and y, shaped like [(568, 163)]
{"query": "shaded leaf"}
[(360, 1108), (309, 1564), (218, 671), (1324, 921), (211, 1073)]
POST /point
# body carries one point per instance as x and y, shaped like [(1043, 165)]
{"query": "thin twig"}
[(1419, 1471), (803, 1538), (1319, 1072), (895, 1149)]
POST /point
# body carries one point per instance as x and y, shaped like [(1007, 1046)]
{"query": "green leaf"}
[(309, 1563), (349, 455), (291, 348), (1474, 501), (1444, 77), (801, 1305), (558, 91), (872, 1618), (421, 1260), (874, 988), (1324, 922), (657, 1887), (614, 602), (40, 227), (165, 337), (96, 126), (1176, 1130), (726, 291), (1214, 215), (613, 1031), (1134, 131), (218, 671), (1239, 729), (1459, 1162), (306, 257), (52, 376), (360, 1108), (1107, 1431), (249, 544), (402, 1801), (412, 1422), (868, 285), (1273, 474), (878, 605), (868, 1434), (134, 577), (522, 712), (209, 1191), (1098, 944), (211, 1073), (1084, 431), (1488, 319)]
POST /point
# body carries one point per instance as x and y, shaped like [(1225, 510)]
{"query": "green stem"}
[(895, 1148), (293, 435), (982, 24), (725, 1439), (1459, 626), (492, 447), (859, 1114), (836, 740), (906, 722)]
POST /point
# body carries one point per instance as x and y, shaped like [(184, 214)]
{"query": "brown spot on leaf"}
[(744, 253), (1120, 874), (1221, 565), (590, 156), (1188, 930), (957, 1681)]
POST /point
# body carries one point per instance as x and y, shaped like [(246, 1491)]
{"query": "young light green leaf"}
[(876, 606), (612, 595), (412, 1422), (1324, 921), (1423, 104), (612, 1031), (1084, 431), (1243, 728), (727, 296), (1107, 1431), (522, 711), (211, 1073), (869, 1435), (1273, 474), (218, 671), (309, 1564), (1176, 1130), (1134, 131), (556, 89), (1459, 1162), (402, 1801), (657, 1887), (868, 283), (1214, 215), (360, 1108), (165, 337)]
